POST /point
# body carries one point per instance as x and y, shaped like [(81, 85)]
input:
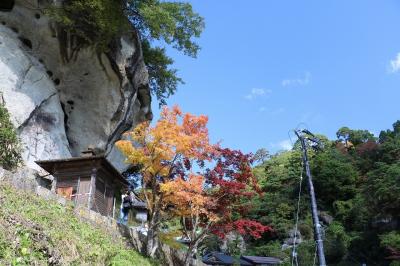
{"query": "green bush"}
[(9, 145), (391, 239), (93, 22)]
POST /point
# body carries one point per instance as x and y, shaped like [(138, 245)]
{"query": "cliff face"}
[(63, 99)]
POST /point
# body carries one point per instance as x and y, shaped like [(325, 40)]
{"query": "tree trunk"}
[(152, 242), (189, 255), (152, 235)]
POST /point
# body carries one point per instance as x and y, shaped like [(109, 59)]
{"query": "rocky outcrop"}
[(63, 100)]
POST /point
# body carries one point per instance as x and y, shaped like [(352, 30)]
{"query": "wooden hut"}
[(89, 181)]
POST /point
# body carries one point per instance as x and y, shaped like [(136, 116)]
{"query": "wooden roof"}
[(98, 161)]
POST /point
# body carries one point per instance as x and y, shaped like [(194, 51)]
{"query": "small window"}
[(66, 192)]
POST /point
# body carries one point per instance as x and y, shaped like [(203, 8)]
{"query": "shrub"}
[(9, 144)]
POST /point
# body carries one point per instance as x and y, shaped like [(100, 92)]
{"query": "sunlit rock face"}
[(62, 99)]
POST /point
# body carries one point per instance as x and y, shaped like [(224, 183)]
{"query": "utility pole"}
[(314, 210)]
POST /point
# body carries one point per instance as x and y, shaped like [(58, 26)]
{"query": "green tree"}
[(389, 140), (261, 155), (163, 79), (334, 177), (97, 22), (383, 190), (9, 144), (354, 136)]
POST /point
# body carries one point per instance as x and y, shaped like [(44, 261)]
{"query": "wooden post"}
[(113, 210), (92, 190), (78, 191)]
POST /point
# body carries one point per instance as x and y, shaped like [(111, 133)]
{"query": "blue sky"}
[(266, 66)]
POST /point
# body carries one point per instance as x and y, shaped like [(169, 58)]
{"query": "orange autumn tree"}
[(192, 203), (184, 176), (211, 201), (160, 151)]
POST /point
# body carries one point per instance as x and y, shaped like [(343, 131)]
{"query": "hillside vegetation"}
[(357, 184), (9, 144), (34, 231)]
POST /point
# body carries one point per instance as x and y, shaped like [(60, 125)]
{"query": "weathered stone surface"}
[(233, 239), (63, 101), (325, 217), (23, 178), (32, 101)]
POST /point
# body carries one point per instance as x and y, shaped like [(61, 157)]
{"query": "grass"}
[(34, 231)]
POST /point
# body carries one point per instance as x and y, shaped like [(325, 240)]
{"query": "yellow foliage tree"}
[(164, 152), (192, 203)]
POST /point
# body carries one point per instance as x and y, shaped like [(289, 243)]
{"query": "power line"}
[(294, 252)]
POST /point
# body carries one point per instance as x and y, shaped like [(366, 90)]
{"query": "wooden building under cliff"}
[(88, 181)]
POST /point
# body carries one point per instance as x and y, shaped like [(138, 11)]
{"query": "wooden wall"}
[(84, 190), (104, 194), (78, 175)]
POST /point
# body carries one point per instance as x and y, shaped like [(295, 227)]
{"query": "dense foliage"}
[(185, 177), (357, 182), (9, 144), (98, 22), (34, 231)]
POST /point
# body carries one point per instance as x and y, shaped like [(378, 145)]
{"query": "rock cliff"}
[(63, 98)]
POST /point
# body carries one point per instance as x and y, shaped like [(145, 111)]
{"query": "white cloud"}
[(257, 92), (297, 81), (283, 145), (262, 109), (395, 64)]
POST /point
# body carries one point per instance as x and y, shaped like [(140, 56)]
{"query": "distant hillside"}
[(357, 184), (34, 231)]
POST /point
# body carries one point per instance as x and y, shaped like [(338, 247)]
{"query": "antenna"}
[(302, 135)]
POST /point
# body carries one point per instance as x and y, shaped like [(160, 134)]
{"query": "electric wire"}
[(294, 252), (315, 254)]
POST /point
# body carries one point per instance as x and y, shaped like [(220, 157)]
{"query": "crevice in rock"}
[(33, 113), (1, 98), (131, 70), (123, 125), (66, 127), (7, 5), (70, 45), (25, 74), (26, 42), (112, 55)]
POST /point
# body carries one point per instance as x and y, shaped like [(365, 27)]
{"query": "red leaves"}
[(243, 227), (175, 154), (233, 173), (232, 179)]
